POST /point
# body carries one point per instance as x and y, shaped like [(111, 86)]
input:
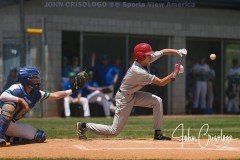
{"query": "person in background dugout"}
[(93, 93), (233, 88), (100, 70), (201, 72), (105, 76), (112, 77), (74, 98), (210, 89), (119, 71), (17, 100), (74, 67), (65, 70), (12, 78), (189, 86)]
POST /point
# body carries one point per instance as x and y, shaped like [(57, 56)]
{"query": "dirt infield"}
[(123, 149)]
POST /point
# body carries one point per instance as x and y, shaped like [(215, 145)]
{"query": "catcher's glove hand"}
[(80, 80), (24, 104)]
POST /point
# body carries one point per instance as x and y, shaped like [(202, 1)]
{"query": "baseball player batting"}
[(20, 98), (129, 95)]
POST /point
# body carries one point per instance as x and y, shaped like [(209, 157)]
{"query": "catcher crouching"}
[(21, 97)]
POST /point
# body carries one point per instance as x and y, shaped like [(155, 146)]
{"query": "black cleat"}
[(162, 137), (159, 136), (81, 130), (3, 143)]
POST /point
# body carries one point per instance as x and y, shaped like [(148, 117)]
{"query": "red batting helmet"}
[(141, 50)]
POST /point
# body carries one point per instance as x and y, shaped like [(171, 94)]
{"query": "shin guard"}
[(4, 123)]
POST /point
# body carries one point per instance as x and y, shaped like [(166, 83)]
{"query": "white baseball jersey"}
[(129, 95), (137, 76)]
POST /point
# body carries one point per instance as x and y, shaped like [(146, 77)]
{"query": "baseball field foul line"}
[(81, 147)]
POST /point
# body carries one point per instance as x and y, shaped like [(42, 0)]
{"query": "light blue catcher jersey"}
[(32, 98)]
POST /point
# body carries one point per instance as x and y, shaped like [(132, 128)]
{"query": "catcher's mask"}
[(35, 82), (30, 76)]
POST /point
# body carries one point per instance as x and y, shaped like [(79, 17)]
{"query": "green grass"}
[(139, 127)]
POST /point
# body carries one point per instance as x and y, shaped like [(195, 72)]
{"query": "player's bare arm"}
[(59, 94), (80, 81), (157, 54), (9, 97), (171, 77), (162, 82), (180, 52), (169, 52), (53, 96)]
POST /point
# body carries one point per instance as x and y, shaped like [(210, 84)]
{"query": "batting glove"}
[(175, 72), (182, 52), (181, 70)]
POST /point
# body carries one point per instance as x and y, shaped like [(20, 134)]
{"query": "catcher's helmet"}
[(141, 50), (29, 76)]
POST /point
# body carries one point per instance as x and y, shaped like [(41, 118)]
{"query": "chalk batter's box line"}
[(81, 147)]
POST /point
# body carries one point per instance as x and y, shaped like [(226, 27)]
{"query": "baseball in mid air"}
[(213, 57)]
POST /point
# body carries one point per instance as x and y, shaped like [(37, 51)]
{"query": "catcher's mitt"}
[(80, 80)]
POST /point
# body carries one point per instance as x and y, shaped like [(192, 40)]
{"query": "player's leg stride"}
[(81, 130), (128, 95)]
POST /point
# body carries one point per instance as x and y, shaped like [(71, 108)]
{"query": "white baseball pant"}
[(81, 100), (98, 97), (110, 95), (200, 93), (125, 104), (210, 94)]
